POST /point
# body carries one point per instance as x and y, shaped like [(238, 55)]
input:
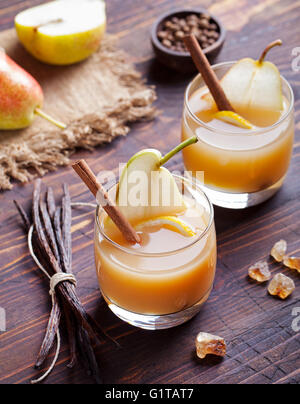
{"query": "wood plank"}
[(263, 348)]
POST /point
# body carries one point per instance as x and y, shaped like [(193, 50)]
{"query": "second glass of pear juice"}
[(237, 167), (164, 281)]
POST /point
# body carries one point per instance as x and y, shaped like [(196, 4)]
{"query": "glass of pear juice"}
[(164, 281), (237, 168)]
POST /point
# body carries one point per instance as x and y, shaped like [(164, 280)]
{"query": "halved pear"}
[(147, 190), (62, 32), (254, 85), (250, 85)]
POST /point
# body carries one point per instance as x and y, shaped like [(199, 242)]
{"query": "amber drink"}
[(238, 167), (163, 281)]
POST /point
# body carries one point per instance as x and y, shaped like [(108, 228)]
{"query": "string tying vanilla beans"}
[(61, 277), (54, 281)]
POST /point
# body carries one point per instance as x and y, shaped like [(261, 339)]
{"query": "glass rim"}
[(167, 253), (238, 133)]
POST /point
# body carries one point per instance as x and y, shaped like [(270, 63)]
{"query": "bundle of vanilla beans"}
[(52, 246)]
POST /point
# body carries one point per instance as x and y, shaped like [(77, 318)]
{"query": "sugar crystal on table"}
[(281, 286)]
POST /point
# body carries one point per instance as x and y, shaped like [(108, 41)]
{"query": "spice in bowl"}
[(174, 29)]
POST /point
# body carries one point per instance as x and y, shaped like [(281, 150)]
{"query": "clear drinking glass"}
[(239, 169), (158, 290)]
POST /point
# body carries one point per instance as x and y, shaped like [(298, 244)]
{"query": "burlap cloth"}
[(96, 99)]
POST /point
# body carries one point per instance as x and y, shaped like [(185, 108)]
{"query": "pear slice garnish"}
[(147, 190), (252, 85)]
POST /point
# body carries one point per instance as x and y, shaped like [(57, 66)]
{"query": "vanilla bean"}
[(67, 293), (27, 225), (65, 227), (67, 224), (65, 289), (52, 328), (49, 230), (58, 250), (89, 355), (71, 328), (55, 315), (67, 242), (85, 340), (23, 215), (70, 321), (53, 244), (54, 318), (50, 202), (83, 356), (64, 241), (41, 236), (58, 233)]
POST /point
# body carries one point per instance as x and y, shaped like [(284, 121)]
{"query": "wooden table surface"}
[(263, 348)]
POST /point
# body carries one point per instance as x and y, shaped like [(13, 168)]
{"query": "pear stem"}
[(177, 149), (278, 42), (42, 114)]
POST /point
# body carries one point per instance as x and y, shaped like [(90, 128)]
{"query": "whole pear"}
[(20, 95)]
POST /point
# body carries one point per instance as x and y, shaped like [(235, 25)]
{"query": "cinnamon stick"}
[(88, 177), (207, 73)]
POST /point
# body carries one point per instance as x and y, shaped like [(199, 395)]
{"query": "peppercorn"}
[(173, 31)]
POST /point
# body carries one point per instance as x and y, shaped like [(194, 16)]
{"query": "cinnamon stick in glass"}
[(207, 73), (88, 177)]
